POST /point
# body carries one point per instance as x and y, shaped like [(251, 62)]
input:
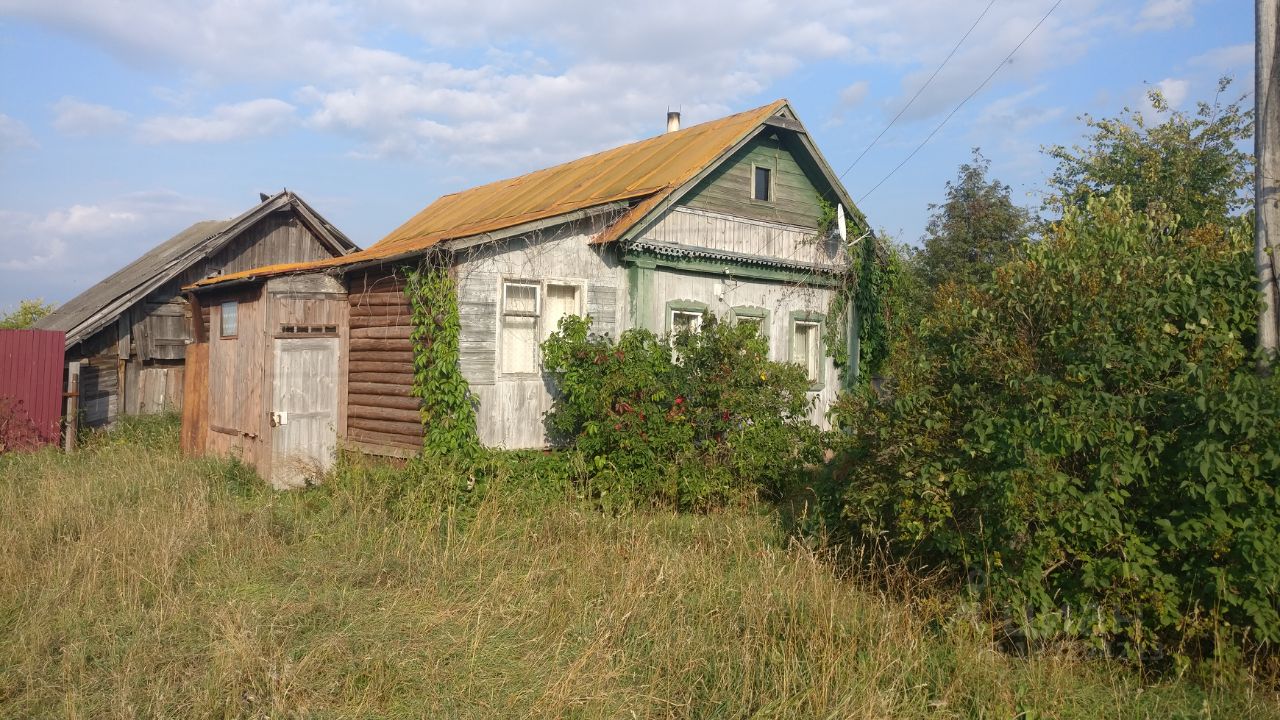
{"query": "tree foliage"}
[(975, 229), (25, 315), (1084, 437), (1187, 164)]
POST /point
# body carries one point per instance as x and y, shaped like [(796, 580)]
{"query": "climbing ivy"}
[(869, 281), (448, 412)]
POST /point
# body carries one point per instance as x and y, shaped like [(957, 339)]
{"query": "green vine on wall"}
[(869, 281), (448, 413)]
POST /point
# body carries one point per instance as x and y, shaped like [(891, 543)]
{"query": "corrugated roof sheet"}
[(70, 314), (647, 170)]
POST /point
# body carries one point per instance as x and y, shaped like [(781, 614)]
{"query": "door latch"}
[(279, 418)]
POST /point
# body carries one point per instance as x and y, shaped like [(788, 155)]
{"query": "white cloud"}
[(1165, 15), (1225, 59), (1174, 91), (227, 122), (15, 135), (853, 95), (561, 78), (76, 117), (79, 244)]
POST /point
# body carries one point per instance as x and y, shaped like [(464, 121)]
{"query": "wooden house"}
[(127, 336), (728, 217)]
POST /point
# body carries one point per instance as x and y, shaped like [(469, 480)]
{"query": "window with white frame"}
[(806, 348), (531, 311), (685, 321)]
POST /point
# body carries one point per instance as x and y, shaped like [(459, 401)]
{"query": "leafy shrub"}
[(689, 420), (1086, 437)]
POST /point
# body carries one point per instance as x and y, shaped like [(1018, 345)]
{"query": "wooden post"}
[(1267, 169), (73, 406)]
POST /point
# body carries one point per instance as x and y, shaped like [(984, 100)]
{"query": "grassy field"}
[(136, 583)]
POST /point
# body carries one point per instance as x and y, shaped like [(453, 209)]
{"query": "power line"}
[(920, 90), (956, 109)]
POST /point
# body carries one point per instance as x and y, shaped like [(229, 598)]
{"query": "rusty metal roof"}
[(645, 171)]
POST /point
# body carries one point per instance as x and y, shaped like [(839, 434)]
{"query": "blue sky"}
[(123, 122)]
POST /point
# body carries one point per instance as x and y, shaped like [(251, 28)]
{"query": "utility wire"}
[(956, 109), (922, 88)]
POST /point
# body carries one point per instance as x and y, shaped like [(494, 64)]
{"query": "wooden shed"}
[(128, 334)]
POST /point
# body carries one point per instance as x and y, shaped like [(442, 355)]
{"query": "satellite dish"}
[(840, 224)]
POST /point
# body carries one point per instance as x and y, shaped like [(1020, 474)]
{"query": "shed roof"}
[(95, 308), (643, 172)]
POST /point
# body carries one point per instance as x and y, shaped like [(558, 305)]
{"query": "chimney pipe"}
[(673, 120)]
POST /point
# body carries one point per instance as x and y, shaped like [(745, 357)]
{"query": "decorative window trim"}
[(222, 320), (682, 306), (750, 311), (816, 318)]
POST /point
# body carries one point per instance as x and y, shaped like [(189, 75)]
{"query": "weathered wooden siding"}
[(238, 380), (728, 189), (793, 244), (510, 406), (381, 412), (305, 401), (278, 238), (656, 288), (195, 408), (142, 353)]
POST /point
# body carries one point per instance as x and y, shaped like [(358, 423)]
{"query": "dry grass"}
[(134, 583)]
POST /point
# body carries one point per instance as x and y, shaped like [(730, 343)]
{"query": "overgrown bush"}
[(1085, 437), (689, 420)]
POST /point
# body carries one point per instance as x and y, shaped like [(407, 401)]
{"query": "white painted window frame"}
[(539, 320)]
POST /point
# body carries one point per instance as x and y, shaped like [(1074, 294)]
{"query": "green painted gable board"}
[(728, 189)]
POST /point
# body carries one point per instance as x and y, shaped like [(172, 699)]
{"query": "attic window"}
[(761, 183)]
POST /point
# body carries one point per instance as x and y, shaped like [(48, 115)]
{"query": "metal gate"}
[(304, 415)]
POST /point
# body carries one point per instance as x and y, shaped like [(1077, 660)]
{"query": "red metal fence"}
[(30, 387)]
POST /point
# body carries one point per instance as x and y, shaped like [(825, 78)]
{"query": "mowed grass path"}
[(137, 583)]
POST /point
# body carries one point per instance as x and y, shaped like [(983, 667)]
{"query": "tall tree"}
[(975, 229), (1189, 164)]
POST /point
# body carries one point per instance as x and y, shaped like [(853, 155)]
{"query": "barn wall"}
[(511, 406), (381, 412), (277, 238)]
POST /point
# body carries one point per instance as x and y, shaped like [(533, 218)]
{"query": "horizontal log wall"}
[(381, 409)]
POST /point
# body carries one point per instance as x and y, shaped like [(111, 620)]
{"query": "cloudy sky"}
[(123, 121)]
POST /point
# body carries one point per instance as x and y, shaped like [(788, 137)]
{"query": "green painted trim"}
[(683, 305), (731, 269), (750, 311), (821, 320), (640, 294)]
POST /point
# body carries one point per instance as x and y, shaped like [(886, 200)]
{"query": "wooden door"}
[(304, 412)]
